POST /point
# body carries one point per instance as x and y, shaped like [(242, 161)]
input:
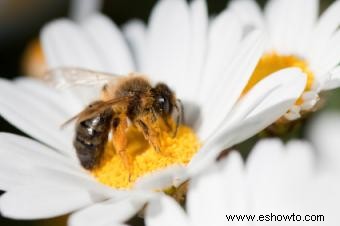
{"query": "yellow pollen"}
[(144, 158), (272, 62)]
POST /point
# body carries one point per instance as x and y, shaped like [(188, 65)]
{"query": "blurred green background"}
[(21, 21)]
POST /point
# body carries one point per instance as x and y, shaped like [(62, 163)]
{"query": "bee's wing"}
[(97, 107), (64, 77)]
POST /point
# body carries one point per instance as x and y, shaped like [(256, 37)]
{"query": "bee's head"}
[(164, 99)]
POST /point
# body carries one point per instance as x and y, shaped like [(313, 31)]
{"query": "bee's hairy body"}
[(139, 89), (142, 107)]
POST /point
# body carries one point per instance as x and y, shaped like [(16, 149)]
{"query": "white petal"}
[(44, 121), (65, 44), (300, 160), (258, 122), (106, 213), (220, 190), (63, 178), (328, 58), (109, 44), (326, 26), (228, 89), (224, 39), (36, 203), (171, 176), (324, 133), (283, 85), (248, 12), (13, 175), (273, 169), (166, 212), (28, 155), (59, 98), (235, 184), (223, 42), (290, 84), (135, 33), (289, 31), (38, 164), (244, 129), (64, 99), (196, 64), (168, 45), (304, 29), (267, 154), (198, 46), (265, 161), (332, 79)]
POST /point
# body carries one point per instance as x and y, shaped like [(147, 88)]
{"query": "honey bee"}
[(125, 101)]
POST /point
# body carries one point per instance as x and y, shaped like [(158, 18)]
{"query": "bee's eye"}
[(163, 104)]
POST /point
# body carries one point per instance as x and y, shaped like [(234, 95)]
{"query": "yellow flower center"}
[(273, 62), (173, 150)]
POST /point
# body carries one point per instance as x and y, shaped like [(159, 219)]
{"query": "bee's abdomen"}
[(91, 138)]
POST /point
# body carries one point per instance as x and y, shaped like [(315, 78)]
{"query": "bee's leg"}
[(119, 140), (150, 134), (164, 118), (168, 126)]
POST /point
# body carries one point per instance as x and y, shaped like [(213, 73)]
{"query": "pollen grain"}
[(144, 159)]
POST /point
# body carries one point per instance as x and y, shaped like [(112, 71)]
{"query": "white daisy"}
[(277, 180), (298, 37), (180, 52)]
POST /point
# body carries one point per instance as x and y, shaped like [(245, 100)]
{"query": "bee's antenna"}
[(180, 115), (181, 110), (62, 126)]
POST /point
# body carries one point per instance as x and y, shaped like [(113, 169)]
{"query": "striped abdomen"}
[(91, 138)]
